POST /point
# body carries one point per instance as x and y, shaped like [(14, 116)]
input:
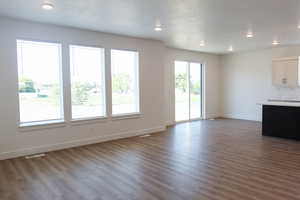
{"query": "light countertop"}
[(280, 103)]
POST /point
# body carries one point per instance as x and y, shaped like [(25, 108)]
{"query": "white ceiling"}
[(220, 23)]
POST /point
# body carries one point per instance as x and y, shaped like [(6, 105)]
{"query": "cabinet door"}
[(279, 73), (292, 73)]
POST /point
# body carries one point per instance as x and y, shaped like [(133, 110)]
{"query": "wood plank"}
[(220, 159)]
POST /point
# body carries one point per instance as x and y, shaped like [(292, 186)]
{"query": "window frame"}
[(65, 88), (104, 80), (48, 122), (130, 115)]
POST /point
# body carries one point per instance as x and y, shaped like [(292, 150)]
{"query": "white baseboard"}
[(241, 116), (208, 116), (211, 116), (170, 123), (76, 143)]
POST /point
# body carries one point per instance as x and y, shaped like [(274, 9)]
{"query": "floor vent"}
[(35, 156), (148, 135)]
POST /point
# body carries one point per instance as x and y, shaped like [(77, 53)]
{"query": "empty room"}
[(150, 100)]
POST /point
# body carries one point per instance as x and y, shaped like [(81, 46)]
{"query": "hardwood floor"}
[(221, 159)]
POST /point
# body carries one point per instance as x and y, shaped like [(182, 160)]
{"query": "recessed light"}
[(158, 28), (47, 6), (275, 42), (249, 34), (230, 48), (202, 43)]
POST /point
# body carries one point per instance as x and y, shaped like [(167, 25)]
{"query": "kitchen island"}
[(281, 119)]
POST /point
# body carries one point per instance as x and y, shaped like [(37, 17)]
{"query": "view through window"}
[(40, 90), (40, 82), (181, 90), (188, 91), (87, 82), (125, 83)]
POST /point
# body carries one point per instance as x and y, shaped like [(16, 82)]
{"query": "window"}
[(125, 82), (40, 85), (87, 82)]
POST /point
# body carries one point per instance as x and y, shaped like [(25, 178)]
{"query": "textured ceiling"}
[(220, 23)]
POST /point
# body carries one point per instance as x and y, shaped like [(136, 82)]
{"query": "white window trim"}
[(95, 118), (137, 78), (127, 116), (49, 123), (63, 122), (92, 120)]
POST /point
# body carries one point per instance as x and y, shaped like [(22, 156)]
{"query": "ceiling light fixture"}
[(202, 43), (158, 28), (275, 42), (249, 34), (230, 48), (47, 6)]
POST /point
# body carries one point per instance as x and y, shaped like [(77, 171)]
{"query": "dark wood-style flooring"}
[(218, 160)]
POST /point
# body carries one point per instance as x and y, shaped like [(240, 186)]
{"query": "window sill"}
[(30, 126), (81, 121), (127, 116)]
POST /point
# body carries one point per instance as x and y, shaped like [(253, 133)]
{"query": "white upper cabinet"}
[(285, 72)]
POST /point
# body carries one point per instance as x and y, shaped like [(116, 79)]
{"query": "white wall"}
[(15, 142), (212, 81), (247, 80), (155, 61)]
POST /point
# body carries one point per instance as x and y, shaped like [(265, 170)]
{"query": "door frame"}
[(202, 77)]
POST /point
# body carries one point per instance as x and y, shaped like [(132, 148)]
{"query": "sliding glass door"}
[(195, 91), (182, 91), (188, 91)]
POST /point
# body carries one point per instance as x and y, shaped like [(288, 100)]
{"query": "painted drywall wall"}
[(211, 82), (156, 65), (246, 79), (15, 141)]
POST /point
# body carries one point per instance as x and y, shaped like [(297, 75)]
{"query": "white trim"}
[(90, 120), (31, 126), (203, 90), (211, 116), (137, 80), (286, 58), (191, 120), (189, 87), (242, 117), (72, 48), (46, 122), (126, 116), (170, 123), (202, 95), (76, 143)]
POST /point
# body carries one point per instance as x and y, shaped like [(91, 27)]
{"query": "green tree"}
[(196, 88), (26, 85), (121, 83), (81, 92), (181, 81)]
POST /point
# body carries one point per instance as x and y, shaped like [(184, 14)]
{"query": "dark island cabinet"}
[(281, 121)]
